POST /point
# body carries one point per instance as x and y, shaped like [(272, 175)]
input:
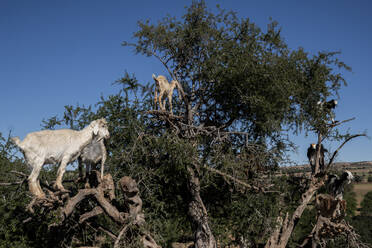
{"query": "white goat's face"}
[(160, 79), (100, 129), (349, 177)]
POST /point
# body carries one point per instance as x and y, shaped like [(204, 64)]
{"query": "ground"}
[(360, 190)]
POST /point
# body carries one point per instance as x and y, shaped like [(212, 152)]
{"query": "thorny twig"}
[(246, 185), (121, 233)]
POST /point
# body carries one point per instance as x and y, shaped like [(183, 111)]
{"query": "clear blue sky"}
[(57, 53)]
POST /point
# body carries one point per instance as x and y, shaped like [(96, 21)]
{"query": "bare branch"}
[(19, 173), (338, 149), (122, 232), (164, 113), (109, 233), (248, 186), (13, 183), (332, 125)]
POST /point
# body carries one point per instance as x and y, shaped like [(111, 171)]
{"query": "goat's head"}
[(160, 79), (100, 129), (347, 176)]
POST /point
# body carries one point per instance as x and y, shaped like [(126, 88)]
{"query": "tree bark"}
[(286, 229), (330, 223), (203, 235), (104, 193)]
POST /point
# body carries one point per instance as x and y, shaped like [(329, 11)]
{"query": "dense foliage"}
[(235, 73)]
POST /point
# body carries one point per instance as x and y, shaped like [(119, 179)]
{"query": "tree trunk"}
[(280, 240), (203, 235)]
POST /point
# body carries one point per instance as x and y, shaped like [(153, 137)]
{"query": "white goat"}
[(163, 86), (91, 155), (57, 147)]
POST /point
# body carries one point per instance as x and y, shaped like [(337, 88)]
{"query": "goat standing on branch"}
[(335, 185), (90, 156), (311, 155), (329, 106), (57, 147), (163, 86)]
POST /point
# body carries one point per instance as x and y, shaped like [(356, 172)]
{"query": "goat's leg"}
[(321, 164), (61, 170), (103, 166), (93, 167), (170, 101), (80, 164), (162, 106), (103, 160), (88, 171), (33, 182), (164, 103), (156, 97)]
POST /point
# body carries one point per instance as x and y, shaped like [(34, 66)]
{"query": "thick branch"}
[(109, 209), (203, 235), (96, 211), (288, 226), (99, 195), (71, 204)]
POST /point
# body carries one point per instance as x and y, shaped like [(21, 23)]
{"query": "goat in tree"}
[(90, 156), (329, 106), (311, 155), (164, 87), (335, 185), (57, 147)]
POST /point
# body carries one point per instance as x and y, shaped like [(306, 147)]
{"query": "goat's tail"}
[(16, 141)]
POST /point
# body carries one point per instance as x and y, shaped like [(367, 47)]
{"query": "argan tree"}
[(243, 90)]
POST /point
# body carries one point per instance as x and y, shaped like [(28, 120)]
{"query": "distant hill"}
[(358, 167)]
